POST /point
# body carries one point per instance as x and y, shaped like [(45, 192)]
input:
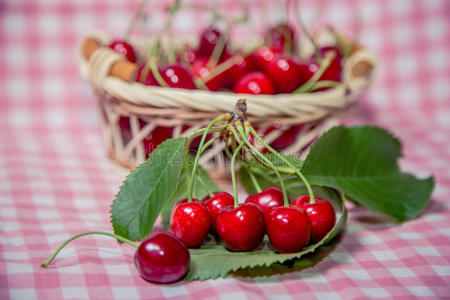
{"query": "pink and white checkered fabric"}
[(55, 180)]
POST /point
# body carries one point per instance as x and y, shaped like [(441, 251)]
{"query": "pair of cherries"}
[(242, 228)]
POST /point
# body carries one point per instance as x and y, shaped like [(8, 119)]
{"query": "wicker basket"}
[(183, 111)]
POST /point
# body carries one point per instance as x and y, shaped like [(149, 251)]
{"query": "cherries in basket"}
[(274, 67)]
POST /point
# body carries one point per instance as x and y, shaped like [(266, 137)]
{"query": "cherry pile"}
[(242, 228), (273, 68)]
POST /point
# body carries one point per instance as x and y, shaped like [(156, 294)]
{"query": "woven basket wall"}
[(154, 111)]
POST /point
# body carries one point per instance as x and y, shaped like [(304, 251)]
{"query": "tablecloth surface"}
[(55, 180)]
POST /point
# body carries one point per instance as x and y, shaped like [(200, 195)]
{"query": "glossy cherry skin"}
[(149, 80), (264, 56), (177, 76), (208, 40), (284, 73), (189, 55), (243, 66), (216, 203), (162, 258), (125, 49), (321, 216), (281, 36), (334, 70), (190, 222), (270, 197), (287, 228), (241, 228), (201, 71), (256, 83)]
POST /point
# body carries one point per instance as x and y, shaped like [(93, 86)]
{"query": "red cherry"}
[(255, 83), (243, 66), (190, 222), (208, 40), (241, 228), (162, 258), (189, 55), (125, 129), (334, 70), (263, 56), (287, 228), (287, 137), (125, 49), (149, 80), (321, 216), (216, 203), (281, 36), (200, 70), (284, 73), (177, 76), (270, 197)]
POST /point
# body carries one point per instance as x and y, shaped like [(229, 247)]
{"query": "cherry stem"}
[(306, 87), (233, 174), (217, 52), (267, 161), (205, 186), (254, 181), (220, 68), (306, 31), (171, 50), (325, 84), (295, 169), (118, 237), (199, 152), (155, 72)]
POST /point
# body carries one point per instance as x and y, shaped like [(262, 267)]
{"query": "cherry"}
[(287, 137), (149, 80), (189, 55), (177, 76), (321, 216), (208, 41), (334, 70), (162, 258), (284, 73), (125, 49), (280, 37), (287, 228), (254, 83), (264, 56), (200, 70), (125, 129), (216, 203), (241, 228), (310, 67), (243, 66), (270, 197), (190, 222)]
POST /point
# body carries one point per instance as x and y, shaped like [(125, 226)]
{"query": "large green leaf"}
[(147, 190), (362, 163), (213, 260), (200, 189)]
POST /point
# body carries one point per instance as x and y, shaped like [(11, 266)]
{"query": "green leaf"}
[(147, 189), (213, 260), (362, 163), (200, 190)]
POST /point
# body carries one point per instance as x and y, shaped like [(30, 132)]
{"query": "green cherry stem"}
[(118, 237), (233, 175), (306, 87), (299, 174), (267, 161), (155, 72), (254, 181), (199, 152)]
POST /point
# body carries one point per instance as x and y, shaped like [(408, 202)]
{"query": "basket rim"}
[(207, 101)]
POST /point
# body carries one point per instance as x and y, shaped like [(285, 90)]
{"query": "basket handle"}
[(119, 68)]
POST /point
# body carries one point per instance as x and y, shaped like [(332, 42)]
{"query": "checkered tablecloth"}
[(55, 180)]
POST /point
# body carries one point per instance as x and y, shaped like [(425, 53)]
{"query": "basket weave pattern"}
[(187, 110)]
